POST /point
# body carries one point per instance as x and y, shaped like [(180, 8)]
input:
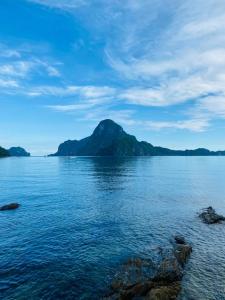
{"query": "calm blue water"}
[(80, 218)]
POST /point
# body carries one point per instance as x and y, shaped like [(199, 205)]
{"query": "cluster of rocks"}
[(158, 279), (10, 206), (145, 279), (209, 216)]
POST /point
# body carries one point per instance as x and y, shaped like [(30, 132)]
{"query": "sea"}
[(82, 217)]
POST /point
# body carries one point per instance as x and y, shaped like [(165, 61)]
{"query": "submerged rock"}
[(209, 216), (182, 253), (169, 271), (10, 206), (167, 292), (144, 279), (133, 272), (179, 239)]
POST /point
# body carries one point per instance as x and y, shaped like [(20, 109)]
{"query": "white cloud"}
[(163, 52), (4, 83), (172, 92), (124, 116), (7, 52), (61, 4), (16, 69), (70, 107), (182, 59), (19, 68), (84, 92), (203, 28), (211, 106), (196, 125)]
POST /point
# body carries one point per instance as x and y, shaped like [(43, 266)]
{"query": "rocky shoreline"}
[(153, 279), (145, 279)]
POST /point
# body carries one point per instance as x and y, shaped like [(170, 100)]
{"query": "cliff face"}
[(109, 139)]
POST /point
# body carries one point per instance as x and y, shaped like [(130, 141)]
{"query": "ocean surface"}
[(81, 218)]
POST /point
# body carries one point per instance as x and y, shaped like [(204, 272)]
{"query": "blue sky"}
[(156, 67)]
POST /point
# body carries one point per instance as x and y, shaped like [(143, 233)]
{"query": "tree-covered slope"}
[(4, 152), (109, 139)]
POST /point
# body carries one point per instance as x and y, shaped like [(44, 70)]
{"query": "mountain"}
[(4, 152), (109, 139), (18, 151)]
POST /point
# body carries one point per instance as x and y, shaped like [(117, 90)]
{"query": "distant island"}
[(13, 151), (109, 139), (18, 151), (4, 152)]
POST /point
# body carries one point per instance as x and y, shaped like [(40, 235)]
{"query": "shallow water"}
[(80, 218)]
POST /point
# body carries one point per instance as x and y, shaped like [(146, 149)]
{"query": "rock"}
[(138, 290), (179, 239), (209, 216), (169, 271), (111, 297), (144, 279), (9, 206), (134, 271), (182, 253), (169, 292)]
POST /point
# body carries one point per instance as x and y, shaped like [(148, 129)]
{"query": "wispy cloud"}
[(124, 116), (85, 92), (162, 53), (6, 52), (4, 83), (196, 125), (213, 107), (16, 69), (21, 68), (19, 65), (61, 4)]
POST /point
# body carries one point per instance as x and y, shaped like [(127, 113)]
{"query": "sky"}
[(157, 67)]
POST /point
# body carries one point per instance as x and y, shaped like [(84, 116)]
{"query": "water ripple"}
[(81, 218)]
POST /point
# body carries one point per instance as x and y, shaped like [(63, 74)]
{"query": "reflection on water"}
[(82, 217)]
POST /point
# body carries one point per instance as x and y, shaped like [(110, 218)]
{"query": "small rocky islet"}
[(10, 206), (209, 216)]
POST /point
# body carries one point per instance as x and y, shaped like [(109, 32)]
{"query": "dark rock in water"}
[(182, 253), (167, 292), (134, 271), (169, 270), (179, 239), (209, 216), (9, 206), (138, 290), (143, 279)]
